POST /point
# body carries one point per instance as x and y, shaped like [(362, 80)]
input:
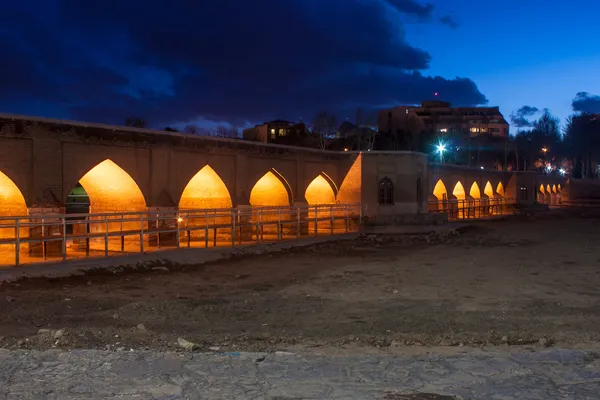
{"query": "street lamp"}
[(441, 149), (562, 171), (544, 149)]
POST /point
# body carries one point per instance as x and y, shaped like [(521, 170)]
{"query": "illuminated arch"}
[(559, 188), (205, 190), (439, 190), (500, 189), (111, 189), (488, 190), (12, 202), (320, 191), (548, 190), (271, 190), (459, 191), (542, 190), (553, 188), (474, 192)]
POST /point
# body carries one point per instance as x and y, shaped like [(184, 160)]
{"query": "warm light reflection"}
[(542, 189), (459, 191), (319, 192), (488, 190), (548, 190), (439, 190), (269, 191), (553, 188), (475, 192), (205, 190), (12, 202), (500, 189), (559, 187), (351, 188), (111, 189)]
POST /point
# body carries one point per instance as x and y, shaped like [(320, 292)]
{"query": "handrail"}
[(44, 236)]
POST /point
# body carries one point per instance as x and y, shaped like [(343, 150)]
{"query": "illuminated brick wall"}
[(205, 190), (351, 188)]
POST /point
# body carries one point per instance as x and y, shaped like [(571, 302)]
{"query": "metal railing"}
[(473, 208), (38, 238)]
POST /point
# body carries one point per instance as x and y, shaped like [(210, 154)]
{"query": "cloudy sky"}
[(243, 62)]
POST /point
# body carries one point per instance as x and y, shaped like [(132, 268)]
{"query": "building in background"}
[(440, 117), (277, 131)]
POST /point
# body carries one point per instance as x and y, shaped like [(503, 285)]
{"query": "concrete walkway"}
[(95, 375)]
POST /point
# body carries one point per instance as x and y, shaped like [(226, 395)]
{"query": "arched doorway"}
[(459, 194), (500, 189), (474, 192), (12, 204), (488, 190), (271, 196), (320, 191)]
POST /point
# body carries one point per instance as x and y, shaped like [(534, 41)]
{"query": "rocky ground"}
[(515, 285)]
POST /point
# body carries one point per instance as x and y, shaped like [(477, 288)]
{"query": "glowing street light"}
[(441, 149), (544, 149), (549, 168), (562, 171)]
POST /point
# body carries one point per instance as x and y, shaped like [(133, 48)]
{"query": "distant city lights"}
[(562, 171)]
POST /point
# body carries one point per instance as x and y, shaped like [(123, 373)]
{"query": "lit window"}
[(474, 129), (444, 130), (282, 132), (523, 192), (386, 191), (272, 131), (407, 110)]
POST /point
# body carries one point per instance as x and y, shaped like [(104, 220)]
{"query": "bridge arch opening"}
[(206, 190), (439, 191), (554, 189), (488, 190), (320, 191), (474, 192), (111, 189), (271, 190), (12, 202), (500, 189), (459, 191), (541, 196)]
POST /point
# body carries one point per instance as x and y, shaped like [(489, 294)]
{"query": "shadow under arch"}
[(272, 189), (205, 190)]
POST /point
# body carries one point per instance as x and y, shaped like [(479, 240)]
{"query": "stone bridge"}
[(122, 169)]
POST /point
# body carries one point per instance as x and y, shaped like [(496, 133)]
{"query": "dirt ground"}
[(515, 282)]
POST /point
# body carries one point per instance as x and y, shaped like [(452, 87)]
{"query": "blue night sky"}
[(213, 61)]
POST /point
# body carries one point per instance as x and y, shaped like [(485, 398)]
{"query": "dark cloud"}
[(520, 117), (586, 103), (413, 7), (221, 60), (448, 20)]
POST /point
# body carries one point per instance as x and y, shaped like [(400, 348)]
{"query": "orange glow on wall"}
[(111, 189), (439, 190), (205, 190), (475, 192), (459, 191), (12, 202), (269, 191), (553, 188), (548, 190), (500, 189), (559, 188), (542, 189), (488, 190), (351, 188), (319, 192)]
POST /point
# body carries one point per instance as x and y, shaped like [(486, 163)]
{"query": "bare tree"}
[(323, 127), (225, 132), (135, 122), (191, 129)]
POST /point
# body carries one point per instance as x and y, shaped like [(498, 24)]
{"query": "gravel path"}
[(91, 374)]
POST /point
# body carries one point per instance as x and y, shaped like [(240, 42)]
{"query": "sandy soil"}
[(503, 282)]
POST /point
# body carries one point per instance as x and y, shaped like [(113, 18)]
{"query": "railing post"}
[(279, 226), (233, 227), (298, 223), (316, 221), (122, 235), (64, 243), (332, 219), (18, 244), (106, 236), (141, 232), (206, 229), (177, 234), (43, 239), (346, 218), (258, 221)]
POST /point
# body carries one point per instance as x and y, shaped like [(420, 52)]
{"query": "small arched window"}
[(386, 191)]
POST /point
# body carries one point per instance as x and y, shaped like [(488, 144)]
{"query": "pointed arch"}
[(439, 190), (12, 202), (320, 191), (271, 190), (548, 190), (500, 189), (459, 191), (112, 189), (553, 188), (474, 192), (205, 190), (488, 190), (559, 188), (542, 190)]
